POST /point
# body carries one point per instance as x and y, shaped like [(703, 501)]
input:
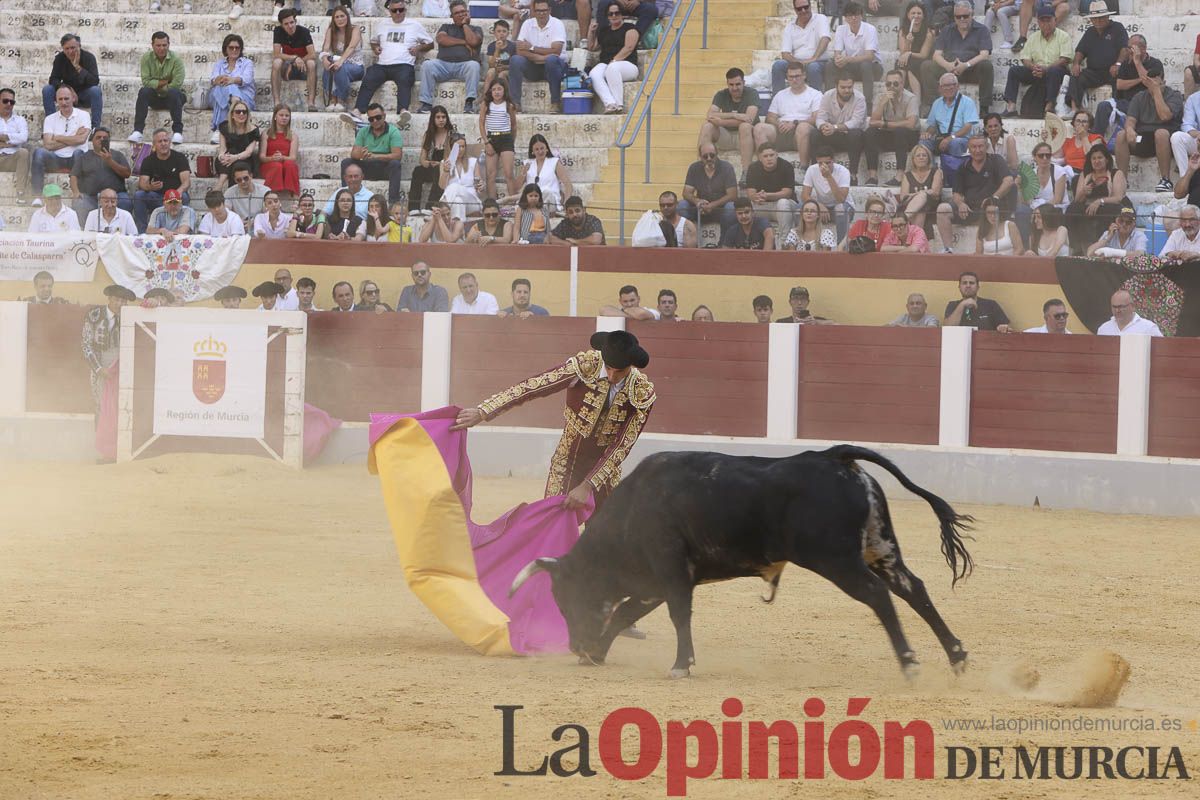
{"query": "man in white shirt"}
[(1184, 243), (471, 300), (1054, 312), (110, 219), (539, 57), (306, 291), (289, 299), (805, 42), (1125, 320), (14, 132), (856, 51), (397, 44), (54, 217), (792, 115), (630, 306), (64, 133), (218, 222), (828, 183), (272, 223), (268, 293)]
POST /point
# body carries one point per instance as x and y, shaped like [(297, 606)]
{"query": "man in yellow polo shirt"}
[(1044, 60)]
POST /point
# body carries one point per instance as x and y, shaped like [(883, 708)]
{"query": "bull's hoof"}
[(959, 667), (590, 661), (677, 673), (911, 667)]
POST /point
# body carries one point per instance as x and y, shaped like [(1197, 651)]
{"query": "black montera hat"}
[(620, 350), (119, 291), (267, 288), (229, 292)]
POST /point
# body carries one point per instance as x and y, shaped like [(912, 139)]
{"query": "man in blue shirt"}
[(422, 295), (950, 120), (521, 308), (964, 49), (353, 175)]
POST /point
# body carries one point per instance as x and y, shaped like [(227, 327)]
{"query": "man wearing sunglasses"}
[(1054, 312), (893, 124), (397, 43), (965, 49), (378, 149), (805, 42), (14, 133), (423, 295)]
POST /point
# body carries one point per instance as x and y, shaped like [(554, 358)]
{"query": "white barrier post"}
[(573, 301), (1133, 396), (435, 360), (783, 380), (14, 356), (954, 411)]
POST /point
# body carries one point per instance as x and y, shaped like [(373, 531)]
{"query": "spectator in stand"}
[(805, 42), (1125, 320), (1154, 113), (98, 169), (163, 170), (288, 300), (435, 146), (294, 56), (1121, 239), (459, 44), (343, 224), (1184, 243), (1188, 184), (829, 184), (498, 54), (997, 234), (963, 49), (461, 179), (378, 150), (645, 11), (279, 154), (798, 299), (397, 44), (341, 58), (442, 227), (75, 67), (1000, 13), (108, 218), (245, 197), (53, 217), (1130, 75), (368, 299), (732, 120), (920, 186), (522, 308), (1102, 45), (1185, 142), (764, 308), (915, 43), (617, 42), (893, 124), (1055, 316), (682, 230), (1044, 61), (578, 227), (792, 117), (232, 78), (14, 133), (237, 142), (352, 175), (810, 234), (981, 177), (1099, 195), (856, 51), (873, 226), (1074, 150), (540, 55), (668, 306), (1191, 75), (64, 137), (1000, 142), (306, 292), (973, 310), (43, 290), (307, 222), (916, 315), (904, 237), (1049, 236), (841, 122), (579, 10), (497, 130), (709, 189), (343, 297), (630, 306), (1059, 10), (423, 295), (380, 227), (162, 75), (1051, 178), (470, 300), (532, 225), (172, 218), (750, 232), (272, 223), (771, 186), (547, 171), (703, 314), (219, 221), (491, 229), (951, 119)]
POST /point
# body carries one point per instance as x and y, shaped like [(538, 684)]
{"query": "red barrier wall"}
[(1045, 392), (361, 363), (710, 377), (1175, 398), (488, 354), (57, 379), (869, 384)]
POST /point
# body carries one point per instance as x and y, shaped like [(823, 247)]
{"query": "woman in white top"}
[(1049, 236), (1050, 177), (810, 234), (617, 41), (441, 227), (461, 181), (497, 129), (341, 58), (272, 223), (999, 141), (997, 236), (546, 170)]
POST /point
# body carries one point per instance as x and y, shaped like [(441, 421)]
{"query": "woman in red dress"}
[(279, 157)]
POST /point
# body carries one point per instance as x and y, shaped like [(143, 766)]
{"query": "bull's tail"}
[(953, 524)]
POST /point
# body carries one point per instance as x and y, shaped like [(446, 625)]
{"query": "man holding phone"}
[(96, 170), (1153, 114)]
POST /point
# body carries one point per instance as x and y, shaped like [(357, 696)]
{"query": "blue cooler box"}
[(577, 102), (485, 9)]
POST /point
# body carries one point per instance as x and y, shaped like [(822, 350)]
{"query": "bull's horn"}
[(530, 569)]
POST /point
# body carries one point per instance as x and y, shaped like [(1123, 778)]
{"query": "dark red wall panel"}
[(361, 363), (1175, 398)]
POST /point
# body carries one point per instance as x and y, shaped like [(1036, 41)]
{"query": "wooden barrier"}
[(360, 363), (1175, 398), (57, 376)]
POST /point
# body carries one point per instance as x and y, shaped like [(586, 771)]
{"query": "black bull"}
[(682, 519)]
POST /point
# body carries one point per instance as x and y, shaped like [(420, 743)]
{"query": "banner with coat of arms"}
[(191, 267)]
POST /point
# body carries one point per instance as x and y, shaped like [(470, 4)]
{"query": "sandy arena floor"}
[(198, 627)]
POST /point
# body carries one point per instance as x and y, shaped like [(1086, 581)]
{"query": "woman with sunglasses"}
[(492, 228), (231, 78), (1079, 141), (997, 236), (546, 170), (915, 45), (1051, 178), (1049, 236), (1099, 195), (238, 141), (368, 298), (617, 41)]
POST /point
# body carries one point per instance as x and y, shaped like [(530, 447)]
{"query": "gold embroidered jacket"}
[(595, 440)]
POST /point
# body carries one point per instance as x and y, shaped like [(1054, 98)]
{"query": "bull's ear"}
[(548, 565)]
